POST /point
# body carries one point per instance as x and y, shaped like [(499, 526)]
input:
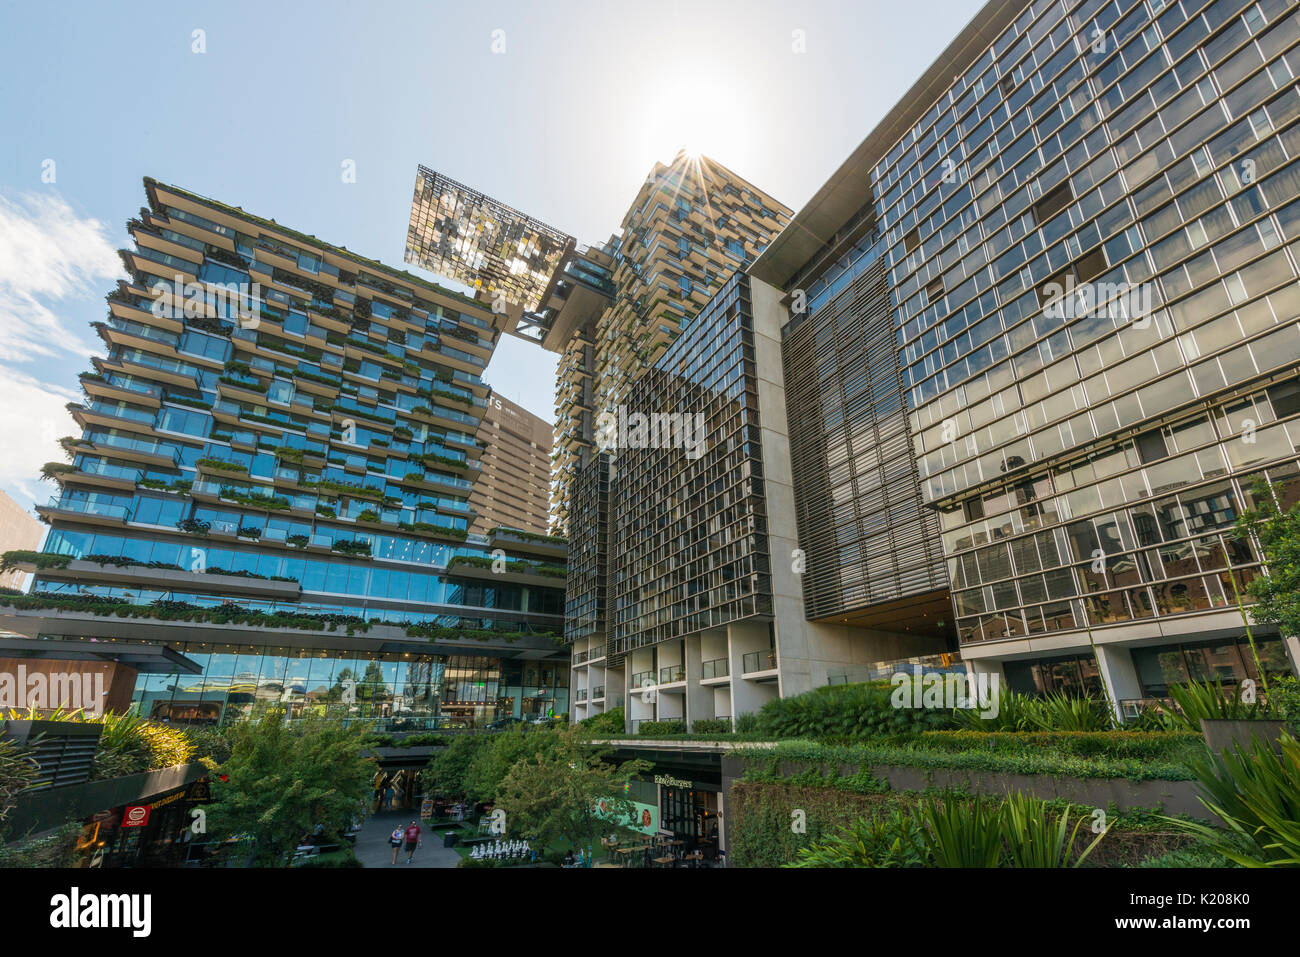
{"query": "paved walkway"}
[(373, 849)]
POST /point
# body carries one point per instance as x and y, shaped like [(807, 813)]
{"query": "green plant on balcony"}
[(15, 559), (221, 465), (402, 432), (50, 470), (287, 454), (194, 526), (351, 548), (433, 458), (297, 541), (164, 610), (368, 515), (72, 444), (327, 511), (528, 536), (436, 531), (248, 531), (274, 503)]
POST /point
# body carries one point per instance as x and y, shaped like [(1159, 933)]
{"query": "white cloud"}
[(32, 420), (48, 253)]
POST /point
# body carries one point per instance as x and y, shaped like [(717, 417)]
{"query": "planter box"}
[(1223, 734)]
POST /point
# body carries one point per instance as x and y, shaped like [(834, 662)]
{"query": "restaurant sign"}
[(669, 781)]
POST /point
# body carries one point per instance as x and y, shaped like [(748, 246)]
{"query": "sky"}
[(557, 108)]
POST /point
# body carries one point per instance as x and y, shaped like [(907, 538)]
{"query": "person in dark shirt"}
[(412, 836)]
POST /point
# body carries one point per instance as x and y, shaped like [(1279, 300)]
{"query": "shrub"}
[(862, 710), (747, 723), (54, 850), (894, 840), (1118, 745), (612, 721), (712, 726), (1284, 701), (130, 744), (209, 743), (652, 728)]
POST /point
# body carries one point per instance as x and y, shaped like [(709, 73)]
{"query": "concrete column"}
[(1293, 652), (1119, 674), (699, 699)]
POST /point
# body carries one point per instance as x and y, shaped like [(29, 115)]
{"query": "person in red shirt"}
[(413, 841)]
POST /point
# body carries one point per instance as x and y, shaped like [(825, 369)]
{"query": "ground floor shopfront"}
[(681, 797), (398, 691), (157, 831), (1135, 665)]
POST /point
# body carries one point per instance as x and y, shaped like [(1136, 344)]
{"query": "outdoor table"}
[(664, 861), (694, 859)]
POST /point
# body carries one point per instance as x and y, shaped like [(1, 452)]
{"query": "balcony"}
[(714, 669), (598, 693), (672, 674), (580, 694), (97, 513), (759, 665), (643, 679)]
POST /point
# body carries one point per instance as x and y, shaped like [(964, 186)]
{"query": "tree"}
[(281, 781), (556, 796), (446, 772), (499, 753), (1276, 592)]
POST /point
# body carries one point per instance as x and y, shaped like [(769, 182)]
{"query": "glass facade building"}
[(1089, 236), (282, 440)]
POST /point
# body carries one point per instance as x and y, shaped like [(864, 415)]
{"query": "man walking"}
[(412, 840)]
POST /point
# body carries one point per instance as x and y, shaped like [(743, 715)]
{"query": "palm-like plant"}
[(960, 833), (1061, 712), (1200, 699), (1013, 714), (1256, 792), (1035, 838)]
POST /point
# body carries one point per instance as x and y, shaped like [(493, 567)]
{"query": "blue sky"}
[(557, 108)]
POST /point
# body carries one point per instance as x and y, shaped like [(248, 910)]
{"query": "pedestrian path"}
[(373, 849)]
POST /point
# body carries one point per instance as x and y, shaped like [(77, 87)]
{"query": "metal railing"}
[(715, 668), (672, 673), (758, 661)]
